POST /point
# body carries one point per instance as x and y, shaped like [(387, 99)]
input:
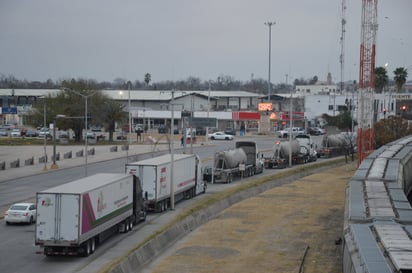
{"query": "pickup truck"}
[(284, 133)]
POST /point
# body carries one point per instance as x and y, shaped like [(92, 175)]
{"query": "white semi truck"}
[(74, 217), (155, 174)]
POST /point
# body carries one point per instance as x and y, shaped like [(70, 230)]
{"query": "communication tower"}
[(369, 28)]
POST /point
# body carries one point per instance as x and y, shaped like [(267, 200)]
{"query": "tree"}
[(113, 113), (147, 78), (70, 102), (401, 74), (390, 129), (343, 120), (314, 80), (381, 79)]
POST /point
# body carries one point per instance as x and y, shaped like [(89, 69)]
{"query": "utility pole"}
[(270, 46), (342, 54)]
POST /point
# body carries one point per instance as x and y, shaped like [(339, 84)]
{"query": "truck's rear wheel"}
[(93, 245), (86, 248), (229, 178), (126, 225)]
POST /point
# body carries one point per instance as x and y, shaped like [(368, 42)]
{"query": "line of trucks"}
[(73, 218), (301, 149)]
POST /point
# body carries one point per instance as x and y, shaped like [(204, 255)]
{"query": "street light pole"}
[(86, 140), (172, 195), (130, 122), (270, 45), (54, 166), (45, 136), (85, 125), (290, 129)]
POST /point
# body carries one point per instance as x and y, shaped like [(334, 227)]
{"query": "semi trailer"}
[(75, 217), (157, 182)]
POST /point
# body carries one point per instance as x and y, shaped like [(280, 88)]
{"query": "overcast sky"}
[(175, 39)]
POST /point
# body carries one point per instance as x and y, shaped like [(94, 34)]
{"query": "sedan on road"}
[(21, 213), (220, 136)]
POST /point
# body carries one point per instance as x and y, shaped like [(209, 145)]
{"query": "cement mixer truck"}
[(242, 161), (338, 144), (300, 150)]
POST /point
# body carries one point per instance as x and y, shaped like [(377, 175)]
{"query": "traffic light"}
[(403, 108)]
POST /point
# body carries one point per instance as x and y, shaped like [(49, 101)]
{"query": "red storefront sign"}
[(295, 116), (245, 115)]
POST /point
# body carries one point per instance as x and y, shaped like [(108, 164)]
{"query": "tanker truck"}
[(299, 150), (337, 144), (243, 161)]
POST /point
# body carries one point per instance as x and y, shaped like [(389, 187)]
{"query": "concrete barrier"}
[(29, 161), (43, 159), (125, 147), (15, 163), (79, 153), (57, 157), (68, 155)]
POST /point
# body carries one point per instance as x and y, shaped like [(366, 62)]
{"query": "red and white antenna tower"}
[(367, 78)]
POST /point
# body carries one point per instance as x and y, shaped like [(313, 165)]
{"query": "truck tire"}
[(130, 225), (93, 245), (86, 249), (229, 178), (126, 225)]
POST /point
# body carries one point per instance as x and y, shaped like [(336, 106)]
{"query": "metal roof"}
[(160, 160), (154, 95), (87, 184)]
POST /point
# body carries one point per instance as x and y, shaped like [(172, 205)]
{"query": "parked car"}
[(162, 129), (21, 213), (3, 132), (220, 136), (316, 131), (44, 132), (139, 129), (230, 131), (15, 132), (212, 130), (31, 133)]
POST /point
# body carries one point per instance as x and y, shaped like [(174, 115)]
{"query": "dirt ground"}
[(270, 232)]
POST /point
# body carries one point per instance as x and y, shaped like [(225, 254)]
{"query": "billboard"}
[(265, 106)]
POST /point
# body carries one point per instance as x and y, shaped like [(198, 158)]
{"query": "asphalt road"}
[(19, 251)]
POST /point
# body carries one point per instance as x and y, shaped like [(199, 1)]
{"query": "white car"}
[(21, 213), (295, 131), (220, 136), (15, 133)]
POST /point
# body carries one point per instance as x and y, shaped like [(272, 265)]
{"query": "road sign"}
[(8, 110)]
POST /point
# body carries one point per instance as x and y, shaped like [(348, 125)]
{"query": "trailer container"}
[(74, 217), (155, 174)]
